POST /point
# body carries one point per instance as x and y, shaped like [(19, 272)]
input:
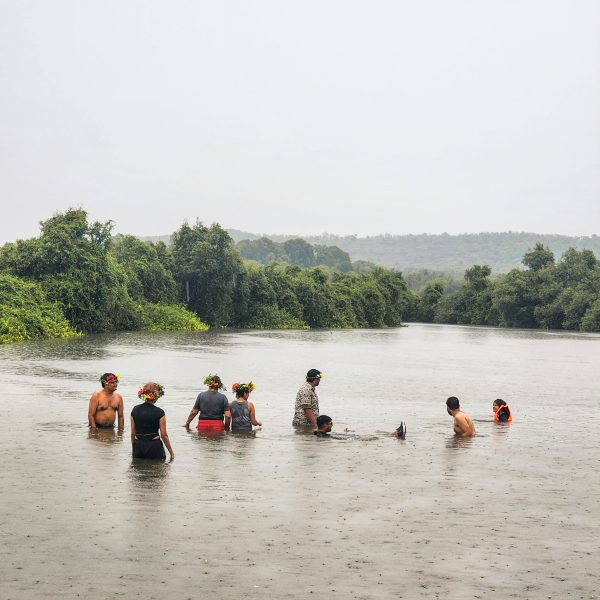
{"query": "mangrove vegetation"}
[(76, 278)]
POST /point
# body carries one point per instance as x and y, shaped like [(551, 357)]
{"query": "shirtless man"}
[(463, 426), (105, 404)]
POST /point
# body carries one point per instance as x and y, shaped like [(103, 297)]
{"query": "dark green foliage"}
[(538, 258), (547, 294), (71, 261), (148, 268), (26, 314), (295, 252), (207, 264), (168, 317)]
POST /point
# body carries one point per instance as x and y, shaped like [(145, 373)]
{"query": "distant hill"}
[(443, 252)]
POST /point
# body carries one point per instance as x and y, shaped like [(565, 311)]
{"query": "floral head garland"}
[(214, 381), (242, 388), (151, 391), (109, 378)]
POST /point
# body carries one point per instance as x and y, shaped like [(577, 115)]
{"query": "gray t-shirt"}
[(211, 405)]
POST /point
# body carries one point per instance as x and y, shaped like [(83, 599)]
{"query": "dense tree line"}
[(77, 278), (95, 282), (547, 294)]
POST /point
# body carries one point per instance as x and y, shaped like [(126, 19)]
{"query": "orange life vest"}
[(497, 412)]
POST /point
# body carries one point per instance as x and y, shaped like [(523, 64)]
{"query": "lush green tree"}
[(168, 317), (538, 258), (148, 268), (263, 250), (472, 303), (26, 313), (591, 319), (299, 253), (207, 265), (71, 261), (428, 301), (334, 257)]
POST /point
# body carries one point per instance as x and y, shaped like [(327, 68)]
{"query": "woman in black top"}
[(149, 425)]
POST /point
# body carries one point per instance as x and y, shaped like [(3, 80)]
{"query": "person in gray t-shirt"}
[(211, 406)]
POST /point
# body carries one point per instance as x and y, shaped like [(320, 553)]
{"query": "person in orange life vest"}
[(502, 412)]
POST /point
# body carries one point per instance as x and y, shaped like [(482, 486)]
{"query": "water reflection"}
[(105, 435), (457, 442)]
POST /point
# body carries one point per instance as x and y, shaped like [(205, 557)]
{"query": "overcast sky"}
[(302, 116)]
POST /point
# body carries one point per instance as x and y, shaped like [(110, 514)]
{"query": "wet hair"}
[(108, 378), (452, 403), (500, 402), (322, 420)]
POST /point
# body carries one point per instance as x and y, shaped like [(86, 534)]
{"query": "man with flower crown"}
[(106, 404), (212, 408)]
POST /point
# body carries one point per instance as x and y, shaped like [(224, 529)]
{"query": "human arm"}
[(310, 415), (191, 416), (133, 431), (162, 425), (227, 415), (92, 410), (121, 418), (253, 415)]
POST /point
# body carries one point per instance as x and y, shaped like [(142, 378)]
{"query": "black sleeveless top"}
[(146, 417)]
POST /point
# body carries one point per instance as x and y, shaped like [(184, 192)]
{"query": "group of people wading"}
[(216, 414)]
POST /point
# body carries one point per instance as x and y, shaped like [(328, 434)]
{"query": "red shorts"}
[(209, 425)]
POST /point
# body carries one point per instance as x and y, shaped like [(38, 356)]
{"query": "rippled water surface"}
[(511, 513)]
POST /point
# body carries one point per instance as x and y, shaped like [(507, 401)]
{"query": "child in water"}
[(242, 411), (502, 412)]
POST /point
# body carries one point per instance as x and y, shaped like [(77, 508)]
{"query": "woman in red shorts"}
[(212, 407)]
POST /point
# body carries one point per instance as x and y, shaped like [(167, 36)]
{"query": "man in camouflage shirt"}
[(306, 410)]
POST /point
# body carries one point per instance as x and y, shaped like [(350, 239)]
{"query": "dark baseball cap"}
[(313, 374)]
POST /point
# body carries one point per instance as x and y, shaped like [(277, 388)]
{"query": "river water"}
[(510, 513)]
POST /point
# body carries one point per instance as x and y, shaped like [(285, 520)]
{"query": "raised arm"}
[(92, 410), (162, 424), (253, 415)]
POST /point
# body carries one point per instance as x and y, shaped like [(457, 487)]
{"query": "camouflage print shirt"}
[(305, 398)]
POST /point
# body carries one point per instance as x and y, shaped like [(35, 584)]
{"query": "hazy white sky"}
[(302, 116)]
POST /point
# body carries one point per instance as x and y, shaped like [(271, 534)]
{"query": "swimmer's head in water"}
[(239, 389), (452, 403), (109, 378), (151, 391), (324, 423), (214, 382), (499, 402)]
